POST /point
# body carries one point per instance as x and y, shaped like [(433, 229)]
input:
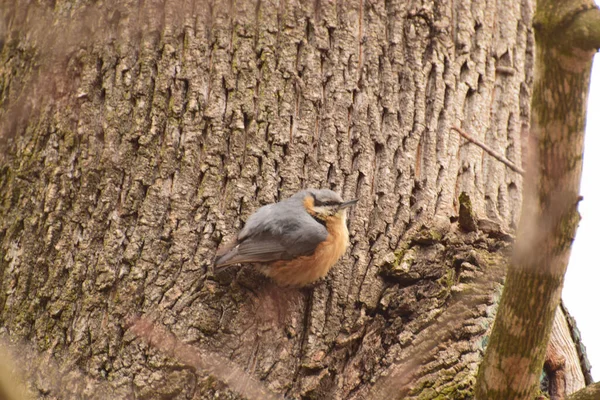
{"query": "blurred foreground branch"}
[(224, 370), (515, 355)]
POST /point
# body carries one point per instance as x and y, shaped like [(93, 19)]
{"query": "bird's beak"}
[(347, 204)]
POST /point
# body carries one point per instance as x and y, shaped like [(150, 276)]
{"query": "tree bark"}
[(562, 365), (141, 136)]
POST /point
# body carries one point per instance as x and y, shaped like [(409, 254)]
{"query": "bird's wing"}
[(258, 248), (271, 236)]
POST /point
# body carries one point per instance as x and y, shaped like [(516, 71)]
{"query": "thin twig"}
[(491, 152)]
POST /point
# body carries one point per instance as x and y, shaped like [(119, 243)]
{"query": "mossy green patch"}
[(466, 217)]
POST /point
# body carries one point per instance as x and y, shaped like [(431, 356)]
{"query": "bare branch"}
[(586, 29), (226, 371), (516, 351)]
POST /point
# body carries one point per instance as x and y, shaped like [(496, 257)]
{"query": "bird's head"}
[(326, 204)]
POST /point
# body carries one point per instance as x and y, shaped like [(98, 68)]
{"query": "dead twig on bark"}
[(488, 150)]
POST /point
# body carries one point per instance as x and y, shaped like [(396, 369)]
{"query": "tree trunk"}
[(140, 136)]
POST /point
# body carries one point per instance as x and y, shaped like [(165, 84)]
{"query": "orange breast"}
[(304, 270)]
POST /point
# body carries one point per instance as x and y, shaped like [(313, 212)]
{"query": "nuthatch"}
[(295, 241)]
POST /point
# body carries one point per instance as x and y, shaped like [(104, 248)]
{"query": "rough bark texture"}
[(562, 363), (139, 137)]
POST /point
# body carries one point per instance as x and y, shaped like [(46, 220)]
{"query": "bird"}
[(295, 241)]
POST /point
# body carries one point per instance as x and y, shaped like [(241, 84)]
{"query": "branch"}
[(591, 392), (224, 370), (585, 29), (516, 351), (491, 152)]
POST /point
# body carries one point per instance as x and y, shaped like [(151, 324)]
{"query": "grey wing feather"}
[(276, 232)]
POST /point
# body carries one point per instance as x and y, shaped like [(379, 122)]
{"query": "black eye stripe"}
[(326, 203)]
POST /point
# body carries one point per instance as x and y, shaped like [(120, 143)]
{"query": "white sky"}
[(581, 292)]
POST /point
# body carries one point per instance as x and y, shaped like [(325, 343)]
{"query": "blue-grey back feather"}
[(280, 231)]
